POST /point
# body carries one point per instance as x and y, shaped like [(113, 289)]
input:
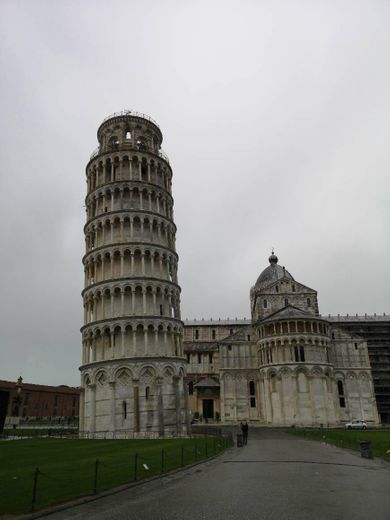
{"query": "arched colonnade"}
[(128, 167), (293, 326), (125, 262), (301, 395), (139, 398), (305, 349), (131, 299), (126, 197), (138, 338), (112, 229)]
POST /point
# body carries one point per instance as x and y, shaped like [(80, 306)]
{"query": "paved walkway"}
[(277, 476)]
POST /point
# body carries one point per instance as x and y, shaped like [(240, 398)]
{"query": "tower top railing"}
[(130, 113), (94, 153), (160, 153)]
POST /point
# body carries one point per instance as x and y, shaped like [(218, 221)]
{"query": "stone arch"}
[(147, 374), (302, 382), (168, 374), (316, 371), (101, 377), (87, 380), (123, 375), (286, 372)]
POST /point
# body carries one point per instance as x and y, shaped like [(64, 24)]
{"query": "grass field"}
[(380, 440), (67, 466)]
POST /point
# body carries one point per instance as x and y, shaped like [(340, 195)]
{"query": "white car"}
[(356, 425)]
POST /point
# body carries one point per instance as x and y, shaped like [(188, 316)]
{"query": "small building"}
[(26, 401)]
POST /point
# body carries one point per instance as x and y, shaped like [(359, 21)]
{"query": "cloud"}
[(274, 115)]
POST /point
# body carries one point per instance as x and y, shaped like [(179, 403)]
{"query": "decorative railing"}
[(131, 113), (94, 153), (160, 153), (163, 155)]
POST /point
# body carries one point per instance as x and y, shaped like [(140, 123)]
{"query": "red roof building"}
[(27, 400)]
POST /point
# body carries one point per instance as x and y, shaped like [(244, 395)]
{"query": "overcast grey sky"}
[(275, 116)]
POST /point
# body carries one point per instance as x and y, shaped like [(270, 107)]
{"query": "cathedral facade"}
[(286, 366)]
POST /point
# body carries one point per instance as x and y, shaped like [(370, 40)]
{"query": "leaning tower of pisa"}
[(132, 356)]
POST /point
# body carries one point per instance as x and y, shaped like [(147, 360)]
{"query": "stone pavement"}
[(275, 476)]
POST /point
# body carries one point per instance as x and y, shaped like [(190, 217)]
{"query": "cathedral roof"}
[(290, 311), (240, 335), (207, 382), (271, 274)]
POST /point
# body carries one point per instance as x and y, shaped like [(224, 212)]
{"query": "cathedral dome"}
[(272, 273)]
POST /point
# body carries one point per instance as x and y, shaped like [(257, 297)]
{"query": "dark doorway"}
[(208, 408), (4, 397)]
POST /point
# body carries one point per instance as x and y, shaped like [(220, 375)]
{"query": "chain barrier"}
[(186, 454)]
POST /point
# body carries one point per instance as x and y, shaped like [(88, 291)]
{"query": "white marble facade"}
[(133, 366), (287, 366)]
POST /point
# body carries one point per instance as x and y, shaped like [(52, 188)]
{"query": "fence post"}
[(95, 480), (34, 492), (162, 461), (135, 466), (182, 455)]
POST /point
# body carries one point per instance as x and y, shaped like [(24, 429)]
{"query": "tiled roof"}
[(207, 382), (288, 312), (201, 346), (219, 321), (62, 389), (240, 335), (271, 274), (247, 321), (356, 317)]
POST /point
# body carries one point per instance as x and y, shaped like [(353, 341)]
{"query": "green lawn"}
[(67, 466), (380, 440)]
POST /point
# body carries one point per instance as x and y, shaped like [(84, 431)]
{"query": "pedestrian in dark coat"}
[(245, 429)]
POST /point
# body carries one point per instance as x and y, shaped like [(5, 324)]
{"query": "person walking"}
[(245, 429)]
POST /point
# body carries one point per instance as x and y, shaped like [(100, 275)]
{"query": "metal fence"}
[(138, 465)]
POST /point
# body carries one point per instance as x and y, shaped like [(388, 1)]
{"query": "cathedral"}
[(286, 366)]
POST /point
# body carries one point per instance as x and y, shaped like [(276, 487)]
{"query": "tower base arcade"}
[(131, 398)]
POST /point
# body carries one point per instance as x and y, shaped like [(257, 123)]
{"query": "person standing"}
[(245, 429)]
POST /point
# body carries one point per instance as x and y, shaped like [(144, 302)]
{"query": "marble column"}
[(136, 405), (81, 409), (92, 409), (113, 415)]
